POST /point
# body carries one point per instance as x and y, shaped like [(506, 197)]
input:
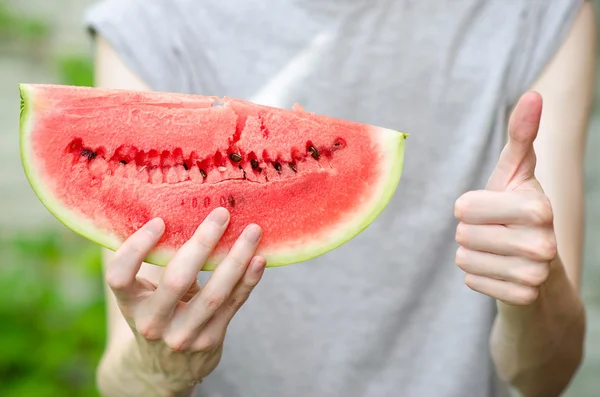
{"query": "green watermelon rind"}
[(66, 216), (394, 143), (396, 147)]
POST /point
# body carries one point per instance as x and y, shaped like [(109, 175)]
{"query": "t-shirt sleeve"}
[(543, 29), (143, 34)]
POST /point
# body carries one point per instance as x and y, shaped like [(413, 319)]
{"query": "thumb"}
[(517, 160)]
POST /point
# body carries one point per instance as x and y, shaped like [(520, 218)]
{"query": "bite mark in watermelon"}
[(104, 162)]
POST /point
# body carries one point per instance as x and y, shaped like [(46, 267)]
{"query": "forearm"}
[(124, 373), (538, 348), (121, 371)]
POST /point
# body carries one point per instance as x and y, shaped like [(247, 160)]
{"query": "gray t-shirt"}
[(388, 313)]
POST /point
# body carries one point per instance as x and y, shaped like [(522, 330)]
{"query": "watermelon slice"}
[(105, 161)]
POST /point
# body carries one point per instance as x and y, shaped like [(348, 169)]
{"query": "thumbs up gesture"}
[(506, 233)]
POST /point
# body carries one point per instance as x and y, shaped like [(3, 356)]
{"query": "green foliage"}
[(52, 309), (76, 70), (52, 315), (21, 27)]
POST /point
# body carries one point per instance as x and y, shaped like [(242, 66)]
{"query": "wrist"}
[(123, 372), (545, 337), (558, 305)]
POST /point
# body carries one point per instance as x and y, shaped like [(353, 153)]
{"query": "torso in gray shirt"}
[(387, 314)]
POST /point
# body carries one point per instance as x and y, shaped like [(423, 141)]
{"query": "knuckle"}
[(546, 248), (249, 282), (238, 261), (525, 296), (534, 275), (178, 342), (148, 330), (550, 248), (115, 280), (461, 258), (237, 301), (461, 235), (176, 285), (462, 204), (137, 248), (541, 212), (470, 281), (138, 245), (208, 341), (205, 239), (213, 301), (121, 255)]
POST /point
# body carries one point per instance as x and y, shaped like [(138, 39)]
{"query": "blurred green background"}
[(52, 325)]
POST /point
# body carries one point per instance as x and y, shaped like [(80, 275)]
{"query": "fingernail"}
[(252, 233), (220, 216), (154, 227)]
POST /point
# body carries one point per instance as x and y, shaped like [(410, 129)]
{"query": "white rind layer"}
[(391, 144)]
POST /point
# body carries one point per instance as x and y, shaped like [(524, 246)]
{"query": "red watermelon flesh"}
[(104, 162)]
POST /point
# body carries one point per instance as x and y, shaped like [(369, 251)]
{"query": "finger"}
[(182, 271), (517, 159), (514, 269), (505, 291), (225, 277), (121, 271), (483, 207), (241, 292), (533, 243), (217, 290), (214, 330)]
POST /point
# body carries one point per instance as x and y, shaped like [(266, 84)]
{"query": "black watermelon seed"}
[(235, 157), (277, 167), (123, 162), (254, 163), (203, 173), (314, 152), (293, 167), (185, 166)]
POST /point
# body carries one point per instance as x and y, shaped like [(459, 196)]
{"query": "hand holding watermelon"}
[(179, 327), (506, 234)]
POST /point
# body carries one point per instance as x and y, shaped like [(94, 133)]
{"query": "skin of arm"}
[(538, 335), (536, 345), (165, 333), (539, 348), (111, 72)]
